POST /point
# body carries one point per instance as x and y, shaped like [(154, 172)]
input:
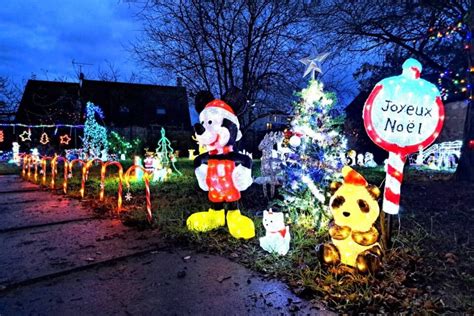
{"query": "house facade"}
[(133, 110)]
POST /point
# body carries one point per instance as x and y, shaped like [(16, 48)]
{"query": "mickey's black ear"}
[(202, 98), (235, 98), (233, 130)]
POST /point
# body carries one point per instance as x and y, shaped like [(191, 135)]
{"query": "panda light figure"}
[(354, 238), (221, 171)]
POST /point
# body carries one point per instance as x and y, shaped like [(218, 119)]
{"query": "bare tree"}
[(435, 31), (10, 97), (109, 73), (253, 45)]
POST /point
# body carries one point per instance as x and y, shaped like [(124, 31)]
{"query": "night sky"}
[(42, 37)]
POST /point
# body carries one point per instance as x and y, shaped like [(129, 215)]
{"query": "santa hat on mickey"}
[(225, 111)]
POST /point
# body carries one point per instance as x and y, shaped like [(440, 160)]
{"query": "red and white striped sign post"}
[(402, 115)]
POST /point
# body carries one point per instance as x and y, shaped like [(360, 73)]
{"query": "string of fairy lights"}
[(26, 132), (457, 79)]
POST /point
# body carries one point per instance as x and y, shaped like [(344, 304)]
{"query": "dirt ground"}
[(438, 213)]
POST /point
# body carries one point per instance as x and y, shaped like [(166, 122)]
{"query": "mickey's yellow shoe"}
[(240, 226), (206, 221)]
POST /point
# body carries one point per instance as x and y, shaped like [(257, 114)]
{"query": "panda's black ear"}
[(201, 99), (374, 191), (235, 98), (334, 186)]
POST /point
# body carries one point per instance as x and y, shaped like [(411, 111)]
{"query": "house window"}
[(269, 125), (160, 110), (124, 109)]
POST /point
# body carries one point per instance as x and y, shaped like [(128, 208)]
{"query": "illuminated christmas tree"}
[(95, 135), (119, 145), (165, 153), (318, 148)]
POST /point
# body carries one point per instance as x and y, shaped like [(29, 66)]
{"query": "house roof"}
[(124, 104), (49, 102)]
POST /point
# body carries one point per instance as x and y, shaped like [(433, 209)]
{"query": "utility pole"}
[(74, 63)]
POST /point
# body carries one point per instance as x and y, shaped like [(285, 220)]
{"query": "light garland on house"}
[(40, 125)]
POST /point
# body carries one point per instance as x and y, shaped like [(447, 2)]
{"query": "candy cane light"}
[(36, 171), (44, 163), (33, 161), (54, 166), (83, 171), (30, 163), (90, 162), (146, 176), (25, 160), (102, 182)]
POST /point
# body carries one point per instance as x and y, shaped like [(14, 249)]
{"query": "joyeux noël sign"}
[(404, 113)]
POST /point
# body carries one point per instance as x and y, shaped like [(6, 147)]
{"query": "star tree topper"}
[(313, 64)]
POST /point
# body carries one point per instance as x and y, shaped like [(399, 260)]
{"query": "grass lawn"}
[(8, 168), (429, 269)]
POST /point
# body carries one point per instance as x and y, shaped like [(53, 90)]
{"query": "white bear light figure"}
[(277, 237), (16, 153), (360, 160), (369, 160)]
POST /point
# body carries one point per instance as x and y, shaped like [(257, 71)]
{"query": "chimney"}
[(179, 81)]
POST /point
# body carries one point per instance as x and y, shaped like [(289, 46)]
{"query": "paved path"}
[(57, 258)]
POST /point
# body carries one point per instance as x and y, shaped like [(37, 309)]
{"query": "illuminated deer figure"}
[(83, 172), (271, 162), (146, 176), (44, 163), (102, 182), (54, 170)]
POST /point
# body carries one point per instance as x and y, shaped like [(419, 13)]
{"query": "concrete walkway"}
[(57, 258)]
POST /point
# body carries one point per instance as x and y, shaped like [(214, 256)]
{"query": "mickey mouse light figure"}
[(221, 171)]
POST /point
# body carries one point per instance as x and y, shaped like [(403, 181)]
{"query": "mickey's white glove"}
[(242, 177), (201, 174)]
